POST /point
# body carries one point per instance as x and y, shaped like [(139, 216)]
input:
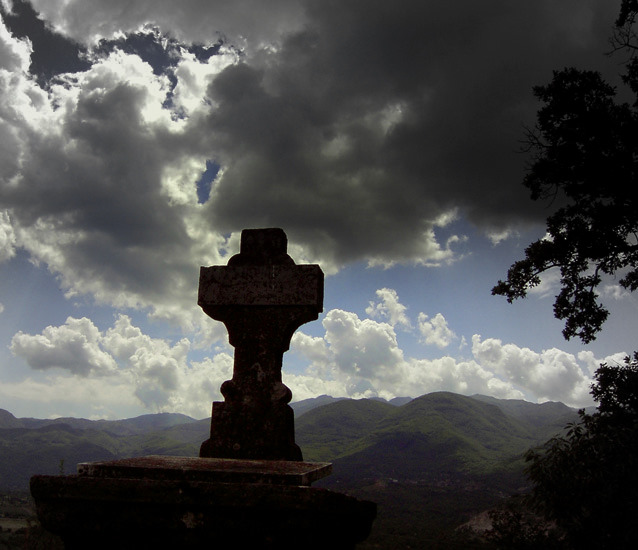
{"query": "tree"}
[(586, 481), (585, 160), (515, 526)]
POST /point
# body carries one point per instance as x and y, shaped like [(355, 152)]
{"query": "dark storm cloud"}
[(85, 195), (377, 117), (52, 53), (197, 21), (101, 173), (358, 126)]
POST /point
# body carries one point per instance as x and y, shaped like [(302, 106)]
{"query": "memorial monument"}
[(249, 487), (262, 297)]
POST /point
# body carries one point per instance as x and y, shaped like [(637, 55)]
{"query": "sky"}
[(139, 137)]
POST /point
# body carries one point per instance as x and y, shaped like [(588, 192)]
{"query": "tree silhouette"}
[(585, 151), (587, 480)]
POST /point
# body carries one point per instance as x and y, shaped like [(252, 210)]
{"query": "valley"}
[(431, 463)]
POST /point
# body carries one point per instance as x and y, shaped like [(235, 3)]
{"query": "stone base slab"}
[(101, 512), (273, 472)]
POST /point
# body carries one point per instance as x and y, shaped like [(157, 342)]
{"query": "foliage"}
[(515, 526), (585, 148), (587, 480), (616, 391)]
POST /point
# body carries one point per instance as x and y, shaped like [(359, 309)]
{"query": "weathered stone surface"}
[(262, 297), (100, 513), (272, 472), (255, 285)]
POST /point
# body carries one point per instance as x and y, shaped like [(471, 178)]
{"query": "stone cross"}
[(262, 297)]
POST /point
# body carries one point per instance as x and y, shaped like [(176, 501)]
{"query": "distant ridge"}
[(430, 463), (437, 434), (302, 407), (129, 426), (546, 417), (7, 420), (440, 433)]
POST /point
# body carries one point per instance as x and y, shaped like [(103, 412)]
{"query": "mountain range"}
[(429, 463)]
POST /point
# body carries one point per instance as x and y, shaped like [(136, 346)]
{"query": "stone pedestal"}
[(187, 503)]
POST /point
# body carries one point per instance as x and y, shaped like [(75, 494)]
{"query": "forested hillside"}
[(430, 463)]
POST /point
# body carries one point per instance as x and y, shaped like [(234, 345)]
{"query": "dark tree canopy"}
[(585, 160), (587, 480)]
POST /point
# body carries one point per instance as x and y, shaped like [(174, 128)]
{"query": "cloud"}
[(363, 358), (435, 331), (201, 21), (104, 190), (550, 283), (464, 377), (400, 137), (7, 238), (86, 396), (362, 136), (498, 236), (389, 308), (364, 130), (74, 346), (353, 358), (14, 55), (362, 347), (156, 374), (592, 363), (615, 292), (550, 375)]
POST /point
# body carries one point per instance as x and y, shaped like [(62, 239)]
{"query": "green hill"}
[(57, 447), (544, 420), (438, 432), (46, 450), (328, 432), (430, 463), (439, 435), (129, 426), (302, 407)]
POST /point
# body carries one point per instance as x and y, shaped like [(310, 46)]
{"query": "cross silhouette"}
[(262, 297)]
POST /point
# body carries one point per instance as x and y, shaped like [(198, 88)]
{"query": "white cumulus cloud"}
[(435, 331), (7, 238), (74, 346), (361, 347), (549, 375), (362, 358), (389, 308), (152, 371)]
